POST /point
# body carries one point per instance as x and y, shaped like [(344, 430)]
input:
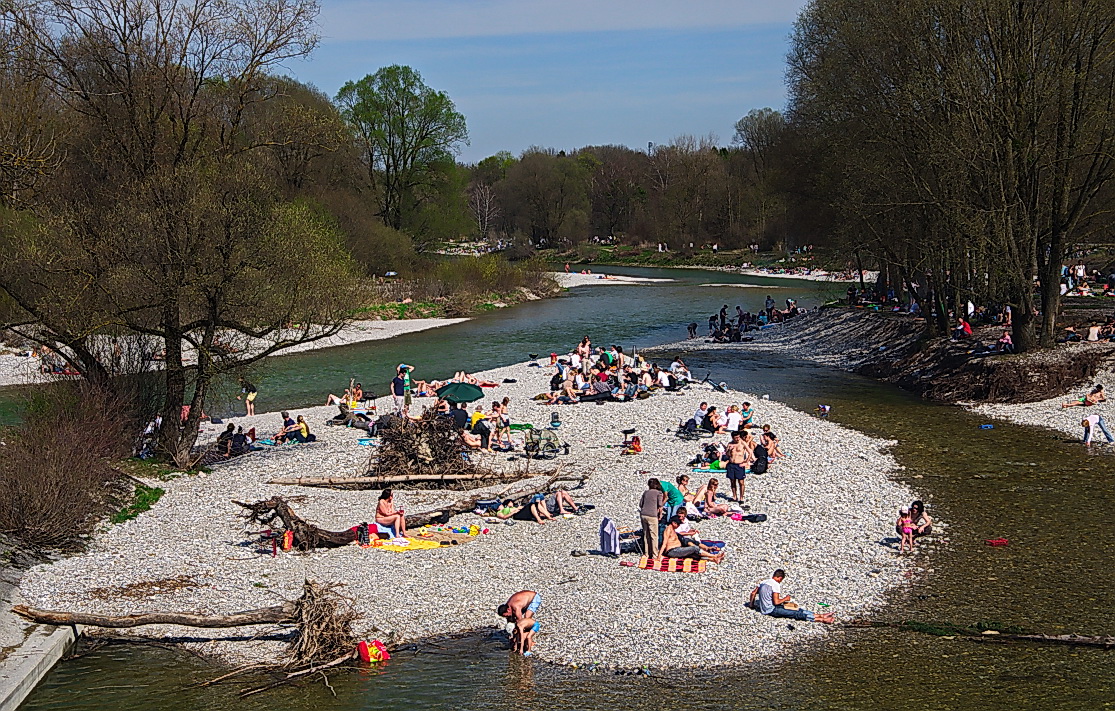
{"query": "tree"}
[(759, 134), (484, 206), (989, 120), (162, 224), (404, 130), (204, 260)]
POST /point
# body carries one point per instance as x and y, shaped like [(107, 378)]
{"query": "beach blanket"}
[(395, 545), (698, 470), (673, 565)]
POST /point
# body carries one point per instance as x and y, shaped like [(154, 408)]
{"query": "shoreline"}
[(868, 275), (829, 505), (23, 370), (830, 338)]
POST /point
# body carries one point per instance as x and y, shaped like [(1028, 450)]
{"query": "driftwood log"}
[(261, 616), (1070, 640), (306, 535), (983, 633), (380, 482)]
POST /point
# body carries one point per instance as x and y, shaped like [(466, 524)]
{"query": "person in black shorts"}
[(739, 456)]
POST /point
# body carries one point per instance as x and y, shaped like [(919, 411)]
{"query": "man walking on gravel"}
[(768, 599)]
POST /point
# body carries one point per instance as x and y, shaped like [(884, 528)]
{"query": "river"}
[(1043, 493)]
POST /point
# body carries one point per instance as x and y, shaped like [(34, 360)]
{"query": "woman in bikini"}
[(712, 508)]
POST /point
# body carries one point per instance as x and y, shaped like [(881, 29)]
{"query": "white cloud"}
[(387, 20)]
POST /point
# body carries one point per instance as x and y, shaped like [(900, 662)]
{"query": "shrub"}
[(56, 468)]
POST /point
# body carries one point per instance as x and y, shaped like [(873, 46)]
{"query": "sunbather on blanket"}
[(672, 546)]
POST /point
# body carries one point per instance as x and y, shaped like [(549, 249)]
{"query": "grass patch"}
[(399, 311), (144, 498)]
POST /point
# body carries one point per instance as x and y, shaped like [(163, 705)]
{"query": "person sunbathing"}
[(535, 510), (346, 398), (691, 496), (389, 516), (672, 546), (712, 507), (471, 440), (1094, 397)]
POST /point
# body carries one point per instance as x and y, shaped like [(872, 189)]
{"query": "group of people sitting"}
[(1094, 332), (747, 451), (486, 431), (294, 430), (664, 510), (610, 374)]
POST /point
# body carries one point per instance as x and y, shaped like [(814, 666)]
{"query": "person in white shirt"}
[(768, 599), (1090, 423), (733, 420), (664, 378)]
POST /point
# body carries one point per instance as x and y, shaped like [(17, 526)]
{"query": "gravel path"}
[(830, 507)]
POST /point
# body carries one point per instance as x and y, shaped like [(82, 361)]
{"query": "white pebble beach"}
[(830, 505)]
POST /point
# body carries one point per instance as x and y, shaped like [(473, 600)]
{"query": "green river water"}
[(1044, 493)]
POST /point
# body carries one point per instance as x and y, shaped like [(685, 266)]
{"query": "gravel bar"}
[(830, 505)]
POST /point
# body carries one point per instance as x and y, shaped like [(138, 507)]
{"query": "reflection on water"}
[(1041, 492)]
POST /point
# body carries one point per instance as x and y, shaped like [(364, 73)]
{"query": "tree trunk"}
[(263, 615)]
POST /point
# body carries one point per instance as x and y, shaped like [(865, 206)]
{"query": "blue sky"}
[(571, 73)]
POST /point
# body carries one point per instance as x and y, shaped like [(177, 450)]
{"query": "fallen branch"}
[(306, 535), (263, 615), (379, 482), (986, 632), (1071, 640)]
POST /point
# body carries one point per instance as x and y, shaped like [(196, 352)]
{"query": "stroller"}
[(541, 444)]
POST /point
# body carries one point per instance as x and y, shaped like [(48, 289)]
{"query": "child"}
[(524, 635), (906, 525)]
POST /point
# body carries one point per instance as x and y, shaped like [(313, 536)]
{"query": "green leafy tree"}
[(405, 131)]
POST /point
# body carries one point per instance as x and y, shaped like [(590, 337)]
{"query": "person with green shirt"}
[(674, 498)]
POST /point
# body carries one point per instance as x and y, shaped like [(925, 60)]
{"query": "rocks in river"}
[(829, 506)]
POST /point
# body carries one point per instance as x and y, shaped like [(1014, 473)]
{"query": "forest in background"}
[(162, 186)]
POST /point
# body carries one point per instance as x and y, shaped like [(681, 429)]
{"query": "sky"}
[(568, 73)]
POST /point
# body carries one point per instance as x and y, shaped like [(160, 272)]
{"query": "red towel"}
[(673, 565)]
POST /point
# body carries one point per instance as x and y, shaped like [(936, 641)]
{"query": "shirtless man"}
[(672, 547), (520, 611), (739, 457)]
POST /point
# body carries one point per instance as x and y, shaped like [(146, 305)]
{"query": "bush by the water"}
[(57, 477)]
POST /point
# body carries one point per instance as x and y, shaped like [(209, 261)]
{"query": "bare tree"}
[(484, 206)]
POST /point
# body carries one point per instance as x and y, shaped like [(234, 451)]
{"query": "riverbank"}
[(24, 370), (569, 280), (830, 506), (1023, 389)]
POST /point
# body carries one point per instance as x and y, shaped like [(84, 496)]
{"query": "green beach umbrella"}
[(460, 392)]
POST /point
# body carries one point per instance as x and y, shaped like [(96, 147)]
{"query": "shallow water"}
[(1049, 498)]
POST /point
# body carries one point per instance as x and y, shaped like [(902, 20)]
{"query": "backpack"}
[(762, 462)]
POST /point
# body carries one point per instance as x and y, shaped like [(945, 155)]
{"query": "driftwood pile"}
[(322, 619), (425, 453)]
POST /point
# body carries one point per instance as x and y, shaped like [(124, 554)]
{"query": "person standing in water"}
[(248, 392)]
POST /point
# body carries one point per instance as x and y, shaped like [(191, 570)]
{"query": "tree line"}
[(160, 183), (964, 145)]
